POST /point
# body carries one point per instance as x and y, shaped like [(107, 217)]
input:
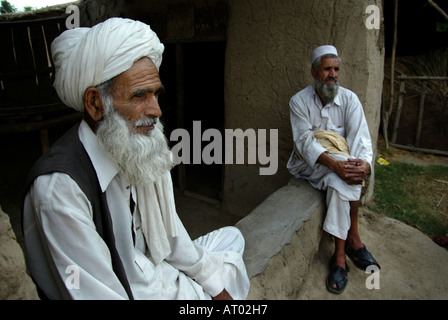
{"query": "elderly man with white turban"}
[(333, 151), (99, 216)]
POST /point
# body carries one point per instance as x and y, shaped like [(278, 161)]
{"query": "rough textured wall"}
[(267, 61), (268, 45), (15, 283), (94, 11)]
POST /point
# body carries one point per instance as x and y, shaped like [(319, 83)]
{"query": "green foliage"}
[(413, 194), (442, 27), (6, 7)]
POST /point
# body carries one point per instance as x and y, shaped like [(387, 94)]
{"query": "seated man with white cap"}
[(333, 151), (99, 216)]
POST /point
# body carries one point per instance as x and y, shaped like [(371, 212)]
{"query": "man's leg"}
[(353, 237), (223, 239), (337, 223), (227, 244), (355, 249), (342, 222), (337, 220), (339, 252)]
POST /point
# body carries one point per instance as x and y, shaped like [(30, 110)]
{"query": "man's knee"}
[(235, 236), (224, 239)]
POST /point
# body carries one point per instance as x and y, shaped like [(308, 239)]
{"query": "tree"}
[(440, 10), (6, 7)]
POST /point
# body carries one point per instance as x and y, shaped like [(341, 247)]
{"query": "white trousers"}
[(228, 243), (339, 194), (337, 221)]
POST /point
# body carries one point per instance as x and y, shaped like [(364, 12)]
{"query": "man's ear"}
[(313, 73), (93, 104)]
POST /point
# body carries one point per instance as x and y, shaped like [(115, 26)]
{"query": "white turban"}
[(322, 50), (86, 57)]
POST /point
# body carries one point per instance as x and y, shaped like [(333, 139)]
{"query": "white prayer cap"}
[(86, 57), (322, 50)]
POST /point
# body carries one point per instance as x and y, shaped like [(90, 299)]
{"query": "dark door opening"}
[(193, 75)]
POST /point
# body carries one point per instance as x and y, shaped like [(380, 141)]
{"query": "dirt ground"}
[(413, 267), (417, 158)]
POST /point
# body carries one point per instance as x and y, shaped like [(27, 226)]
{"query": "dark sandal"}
[(441, 240), (338, 277), (361, 258)]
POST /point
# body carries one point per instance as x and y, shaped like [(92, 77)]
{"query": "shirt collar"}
[(105, 168), (337, 100)]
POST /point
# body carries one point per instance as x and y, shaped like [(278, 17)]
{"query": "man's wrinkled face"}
[(136, 96), (328, 71), (129, 130), (326, 79)]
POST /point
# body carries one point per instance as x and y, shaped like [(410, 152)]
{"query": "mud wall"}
[(267, 50), (268, 45)]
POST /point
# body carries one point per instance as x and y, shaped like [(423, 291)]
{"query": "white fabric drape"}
[(158, 214), (86, 57)]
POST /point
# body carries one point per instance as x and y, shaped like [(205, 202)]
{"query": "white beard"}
[(142, 158), (326, 92)]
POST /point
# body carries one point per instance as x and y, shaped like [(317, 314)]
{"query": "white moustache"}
[(146, 122)]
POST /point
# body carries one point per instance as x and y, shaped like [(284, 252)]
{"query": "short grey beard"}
[(142, 158), (326, 92)]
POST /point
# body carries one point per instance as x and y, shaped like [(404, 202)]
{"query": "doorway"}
[(193, 75)]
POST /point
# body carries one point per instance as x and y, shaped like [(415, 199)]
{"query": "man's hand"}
[(352, 171), (356, 170), (224, 295)]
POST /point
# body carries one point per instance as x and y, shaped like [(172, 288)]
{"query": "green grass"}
[(415, 195)]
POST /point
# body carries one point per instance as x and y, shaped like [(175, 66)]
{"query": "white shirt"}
[(65, 216), (345, 116)]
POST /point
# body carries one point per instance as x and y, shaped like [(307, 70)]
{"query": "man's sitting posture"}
[(100, 202), (333, 151)]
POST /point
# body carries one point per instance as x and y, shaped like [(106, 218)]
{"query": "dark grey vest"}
[(68, 156)]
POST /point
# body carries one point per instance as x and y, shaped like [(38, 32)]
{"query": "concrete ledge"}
[(279, 241)]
